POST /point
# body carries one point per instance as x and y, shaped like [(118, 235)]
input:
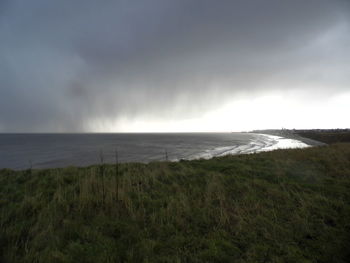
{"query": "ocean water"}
[(21, 151)]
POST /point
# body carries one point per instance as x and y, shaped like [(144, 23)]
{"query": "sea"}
[(24, 151)]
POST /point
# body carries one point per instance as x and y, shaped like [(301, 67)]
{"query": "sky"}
[(173, 65)]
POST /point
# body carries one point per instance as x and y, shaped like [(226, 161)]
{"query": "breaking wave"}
[(261, 143)]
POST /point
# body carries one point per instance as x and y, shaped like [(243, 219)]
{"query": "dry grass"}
[(281, 206)]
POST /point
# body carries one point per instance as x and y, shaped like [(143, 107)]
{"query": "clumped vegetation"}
[(281, 206)]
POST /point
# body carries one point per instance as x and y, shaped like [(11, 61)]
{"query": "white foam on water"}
[(283, 143), (262, 143)]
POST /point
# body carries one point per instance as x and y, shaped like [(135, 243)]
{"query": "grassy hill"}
[(326, 136), (280, 206)]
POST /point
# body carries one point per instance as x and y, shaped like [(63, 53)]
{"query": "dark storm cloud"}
[(65, 63)]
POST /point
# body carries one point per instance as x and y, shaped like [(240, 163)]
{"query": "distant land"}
[(314, 137)]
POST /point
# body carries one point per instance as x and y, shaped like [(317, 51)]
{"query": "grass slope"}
[(326, 136), (281, 206)]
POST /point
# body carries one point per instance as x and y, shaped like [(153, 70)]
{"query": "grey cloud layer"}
[(63, 63)]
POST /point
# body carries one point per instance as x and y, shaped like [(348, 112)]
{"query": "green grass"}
[(281, 206), (327, 136)]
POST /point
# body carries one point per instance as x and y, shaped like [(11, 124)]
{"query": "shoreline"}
[(282, 142), (164, 211), (262, 143), (290, 135)]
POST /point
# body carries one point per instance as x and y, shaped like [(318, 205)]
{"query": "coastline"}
[(263, 142), (290, 135), (281, 142), (252, 142), (286, 202)]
